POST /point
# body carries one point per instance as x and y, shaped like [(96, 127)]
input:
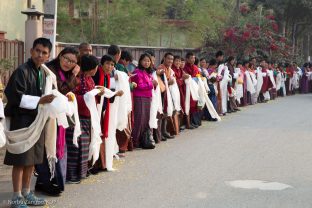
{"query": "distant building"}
[(12, 22)]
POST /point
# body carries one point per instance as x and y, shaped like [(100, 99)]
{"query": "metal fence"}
[(100, 50)]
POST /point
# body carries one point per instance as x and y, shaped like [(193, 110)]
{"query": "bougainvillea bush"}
[(256, 34)]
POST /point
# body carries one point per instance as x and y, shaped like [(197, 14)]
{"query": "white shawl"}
[(125, 100), (250, 84), (206, 84), (2, 135), (238, 87), (77, 129), (283, 84), (111, 146), (96, 132), (278, 81), (203, 94), (223, 86), (296, 80), (156, 105), (191, 89), (271, 76), (220, 69), (175, 93), (253, 79), (259, 80), (169, 97), (95, 112)]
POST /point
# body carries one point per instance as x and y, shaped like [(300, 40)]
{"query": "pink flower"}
[(245, 35), (274, 27), (270, 17), (273, 47), (244, 9)]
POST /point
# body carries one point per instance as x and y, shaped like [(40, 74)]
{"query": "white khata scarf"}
[(203, 94), (278, 81), (259, 80), (96, 133), (156, 105), (238, 87), (95, 112), (250, 85), (169, 98), (253, 79), (175, 94), (191, 89), (77, 129), (125, 100), (118, 118), (271, 76), (2, 135), (223, 85)]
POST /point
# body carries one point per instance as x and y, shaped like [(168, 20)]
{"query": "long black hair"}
[(149, 70), (66, 50), (55, 63), (88, 62)]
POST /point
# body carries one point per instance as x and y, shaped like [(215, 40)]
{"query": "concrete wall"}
[(12, 20)]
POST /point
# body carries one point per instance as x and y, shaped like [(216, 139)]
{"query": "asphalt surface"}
[(269, 142)]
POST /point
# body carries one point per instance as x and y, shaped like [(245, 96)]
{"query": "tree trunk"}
[(282, 27), (95, 20), (71, 8), (305, 46), (294, 32), (237, 10)]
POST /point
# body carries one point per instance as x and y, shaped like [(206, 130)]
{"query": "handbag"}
[(148, 140)]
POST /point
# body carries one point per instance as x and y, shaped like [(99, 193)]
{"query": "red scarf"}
[(105, 121)]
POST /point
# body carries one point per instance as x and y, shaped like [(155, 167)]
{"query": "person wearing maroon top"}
[(77, 163), (166, 74), (244, 99), (290, 73), (220, 59), (272, 90), (231, 85), (266, 81), (304, 82), (180, 78), (191, 69)]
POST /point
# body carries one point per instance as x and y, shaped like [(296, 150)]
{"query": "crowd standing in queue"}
[(70, 117)]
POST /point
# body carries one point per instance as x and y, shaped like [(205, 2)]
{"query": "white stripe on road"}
[(257, 184)]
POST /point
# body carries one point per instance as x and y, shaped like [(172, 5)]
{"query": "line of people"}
[(81, 112)]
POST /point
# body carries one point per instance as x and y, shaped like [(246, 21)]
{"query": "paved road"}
[(269, 142)]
